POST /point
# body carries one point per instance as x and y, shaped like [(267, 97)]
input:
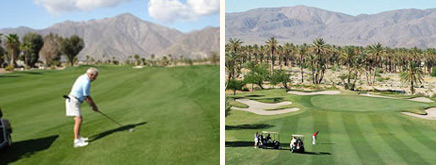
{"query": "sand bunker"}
[(259, 108), (431, 114), (417, 99), (422, 99), (315, 93), (370, 95)]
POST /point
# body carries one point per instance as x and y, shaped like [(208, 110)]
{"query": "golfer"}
[(256, 139), (314, 137), (78, 94)]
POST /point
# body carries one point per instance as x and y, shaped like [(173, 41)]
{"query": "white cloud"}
[(173, 10), (59, 6)]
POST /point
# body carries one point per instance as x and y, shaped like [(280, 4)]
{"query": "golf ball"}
[(131, 130)]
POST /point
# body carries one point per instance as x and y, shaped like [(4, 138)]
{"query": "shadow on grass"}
[(8, 76), (29, 72), (119, 129), (248, 126), (314, 153), (251, 144), (25, 149)]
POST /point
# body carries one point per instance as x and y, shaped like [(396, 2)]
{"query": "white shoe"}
[(84, 139), (79, 143)]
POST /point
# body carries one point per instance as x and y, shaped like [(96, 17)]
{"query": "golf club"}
[(130, 130)]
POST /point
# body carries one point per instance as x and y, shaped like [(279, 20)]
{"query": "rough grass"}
[(234, 103), (175, 112), (346, 137)]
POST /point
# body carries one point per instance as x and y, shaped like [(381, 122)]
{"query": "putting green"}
[(175, 112), (363, 104)]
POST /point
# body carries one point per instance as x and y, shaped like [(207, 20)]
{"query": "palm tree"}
[(318, 69), (272, 45), (375, 51), (2, 51), (302, 51), (412, 75), (235, 44), (347, 58), (12, 47), (25, 48), (231, 64)]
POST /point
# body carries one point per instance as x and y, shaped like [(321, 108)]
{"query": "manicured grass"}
[(363, 103), (175, 112), (346, 137)]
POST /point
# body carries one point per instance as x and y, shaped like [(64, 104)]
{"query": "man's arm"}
[(91, 103)]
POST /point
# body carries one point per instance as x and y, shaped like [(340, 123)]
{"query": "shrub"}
[(433, 72), (9, 68)]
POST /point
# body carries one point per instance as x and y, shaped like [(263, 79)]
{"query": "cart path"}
[(335, 92), (258, 107), (431, 114)]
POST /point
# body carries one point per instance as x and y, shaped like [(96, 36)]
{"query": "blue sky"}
[(351, 7), (40, 14)]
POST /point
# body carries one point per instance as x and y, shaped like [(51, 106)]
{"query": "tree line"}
[(359, 61), (32, 45)]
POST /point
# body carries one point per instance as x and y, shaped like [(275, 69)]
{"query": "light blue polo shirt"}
[(81, 87)]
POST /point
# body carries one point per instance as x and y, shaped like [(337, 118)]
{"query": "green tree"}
[(71, 47), (235, 85), (280, 76), (214, 58), (164, 61), (257, 75), (137, 61), (35, 42), (412, 75)]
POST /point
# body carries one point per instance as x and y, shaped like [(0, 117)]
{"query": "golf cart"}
[(266, 140), (298, 145), (5, 132)]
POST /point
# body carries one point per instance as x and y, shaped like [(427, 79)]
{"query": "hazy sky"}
[(184, 15), (352, 7)]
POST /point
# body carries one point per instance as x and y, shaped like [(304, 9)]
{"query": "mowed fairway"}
[(175, 112), (353, 130)]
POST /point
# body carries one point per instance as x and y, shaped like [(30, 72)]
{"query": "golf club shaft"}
[(110, 118)]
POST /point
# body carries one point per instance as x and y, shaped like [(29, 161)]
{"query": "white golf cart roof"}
[(297, 135), (270, 132)]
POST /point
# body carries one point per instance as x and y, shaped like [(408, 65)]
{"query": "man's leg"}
[(78, 123)]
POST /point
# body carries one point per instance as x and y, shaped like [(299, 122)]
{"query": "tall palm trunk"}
[(411, 87)]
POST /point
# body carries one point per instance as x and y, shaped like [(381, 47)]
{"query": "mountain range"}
[(303, 24), (125, 35)]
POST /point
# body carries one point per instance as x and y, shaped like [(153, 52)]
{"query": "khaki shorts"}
[(73, 107)]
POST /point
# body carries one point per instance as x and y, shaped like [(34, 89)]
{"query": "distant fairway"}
[(363, 103), (175, 111), (361, 131)]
